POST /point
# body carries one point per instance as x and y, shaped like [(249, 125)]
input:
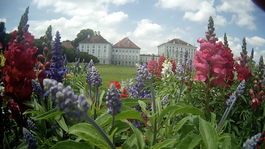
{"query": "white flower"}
[(166, 70)]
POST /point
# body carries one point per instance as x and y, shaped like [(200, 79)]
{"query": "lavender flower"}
[(230, 103), (113, 100), (137, 89), (185, 58), (56, 70), (95, 77), (180, 71), (36, 88), (90, 64), (239, 91), (146, 95), (190, 65), (164, 100), (31, 125), (76, 65), (84, 68), (252, 53), (67, 101), (251, 143), (143, 73), (29, 139)]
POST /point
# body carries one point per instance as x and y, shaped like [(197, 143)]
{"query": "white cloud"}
[(3, 20), (242, 10), (220, 20), (182, 4), (81, 14), (147, 29), (255, 41), (236, 39), (204, 11)]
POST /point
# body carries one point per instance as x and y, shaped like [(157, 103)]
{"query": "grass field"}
[(115, 73)]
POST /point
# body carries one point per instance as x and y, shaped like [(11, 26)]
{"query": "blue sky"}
[(148, 23)]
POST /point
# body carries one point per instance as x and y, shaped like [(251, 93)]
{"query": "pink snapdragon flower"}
[(209, 62), (152, 66)]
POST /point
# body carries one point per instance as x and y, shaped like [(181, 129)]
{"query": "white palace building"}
[(125, 52)]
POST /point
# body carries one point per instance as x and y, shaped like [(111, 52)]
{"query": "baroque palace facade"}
[(125, 52)]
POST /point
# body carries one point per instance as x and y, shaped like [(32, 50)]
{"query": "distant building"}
[(175, 49), (125, 52), (145, 58), (98, 46), (67, 45)]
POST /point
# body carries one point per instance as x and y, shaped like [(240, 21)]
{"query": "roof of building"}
[(94, 39), (178, 41), (126, 43), (67, 45)]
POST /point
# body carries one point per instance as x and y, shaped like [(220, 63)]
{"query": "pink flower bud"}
[(47, 65), (40, 66), (45, 51), (251, 93), (261, 94), (214, 34), (207, 36), (255, 82), (186, 82), (189, 88), (254, 103), (40, 58), (256, 87)]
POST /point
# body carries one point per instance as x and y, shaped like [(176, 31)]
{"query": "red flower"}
[(160, 62), (41, 76), (174, 66), (1, 46), (243, 73), (124, 95), (14, 108), (116, 83)]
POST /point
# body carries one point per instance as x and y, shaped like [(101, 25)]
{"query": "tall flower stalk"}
[(56, 70), (230, 103), (88, 77), (96, 81), (113, 103)]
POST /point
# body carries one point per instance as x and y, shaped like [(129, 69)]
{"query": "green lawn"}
[(115, 73)]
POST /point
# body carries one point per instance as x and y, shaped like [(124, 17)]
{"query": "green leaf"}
[(208, 134), (105, 119), (69, 144), (48, 114), (29, 111), (22, 146), (130, 143), (133, 102), (60, 120), (112, 133), (227, 143), (163, 144), (88, 133), (189, 142), (121, 127), (138, 134)]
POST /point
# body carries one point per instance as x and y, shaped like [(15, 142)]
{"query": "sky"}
[(148, 23)]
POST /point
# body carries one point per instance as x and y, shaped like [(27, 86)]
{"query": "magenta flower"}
[(152, 66)]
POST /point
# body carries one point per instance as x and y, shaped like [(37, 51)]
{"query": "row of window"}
[(82, 46), (126, 51), (177, 48), (125, 57), (122, 63)]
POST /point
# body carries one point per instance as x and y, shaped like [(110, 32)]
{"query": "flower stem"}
[(180, 90), (100, 131), (113, 121), (96, 96), (154, 108)]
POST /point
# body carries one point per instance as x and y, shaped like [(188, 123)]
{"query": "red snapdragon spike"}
[(40, 66), (152, 66), (47, 65), (254, 103), (256, 88), (40, 58), (243, 73), (174, 66), (261, 96), (251, 93), (1, 46), (41, 76)]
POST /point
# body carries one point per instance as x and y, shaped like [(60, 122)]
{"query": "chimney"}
[(95, 33), (88, 36), (99, 33)]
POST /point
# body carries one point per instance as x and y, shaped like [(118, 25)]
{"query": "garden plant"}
[(209, 103)]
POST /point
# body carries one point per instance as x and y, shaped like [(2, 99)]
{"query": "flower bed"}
[(211, 102)]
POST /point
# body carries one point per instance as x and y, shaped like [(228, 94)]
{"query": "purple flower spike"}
[(95, 77), (113, 100)]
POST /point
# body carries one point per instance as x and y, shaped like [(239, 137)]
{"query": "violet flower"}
[(29, 139), (84, 68), (164, 100), (113, 100), (31, 125), (67, 101), (230, 103), (76, 65), (36, 88), (251, 143), (95, 77), (56, 70)]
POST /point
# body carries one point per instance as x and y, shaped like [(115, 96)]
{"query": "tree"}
[(70, 55), (83, 34), (87, 57)]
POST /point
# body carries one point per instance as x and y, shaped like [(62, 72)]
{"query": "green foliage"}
[(83, 34), (87, 57)]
